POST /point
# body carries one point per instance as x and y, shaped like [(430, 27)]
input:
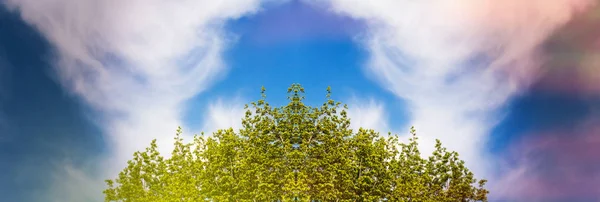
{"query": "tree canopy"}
[(295, 153)]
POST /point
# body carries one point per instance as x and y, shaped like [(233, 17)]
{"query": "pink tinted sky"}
[(561, 162), (574, 57), (555, 163)]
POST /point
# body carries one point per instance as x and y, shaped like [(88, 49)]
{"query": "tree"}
[(296, 153)]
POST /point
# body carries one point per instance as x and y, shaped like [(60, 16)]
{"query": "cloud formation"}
[(560, 162), (458, 62), (574, 57), (134, 62), (368, 114), (557, 163), (222, 114)]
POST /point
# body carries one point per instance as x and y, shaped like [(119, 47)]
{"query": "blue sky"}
[(310, 54), (69, 117), (42, 122)]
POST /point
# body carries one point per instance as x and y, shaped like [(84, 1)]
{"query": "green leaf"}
[(295, 153)]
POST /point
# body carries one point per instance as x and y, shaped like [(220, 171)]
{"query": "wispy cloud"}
[(68, 179), (223, 114), (368, 114), (574, 57), (134, 62), (557, 163), (457, 62), (560, 161)]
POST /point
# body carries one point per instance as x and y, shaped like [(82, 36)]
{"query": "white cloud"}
[(135, 62), (87, 187), (368, 114), (457, 61), (224, 115)]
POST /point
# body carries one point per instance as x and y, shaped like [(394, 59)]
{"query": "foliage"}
[(295, 153)]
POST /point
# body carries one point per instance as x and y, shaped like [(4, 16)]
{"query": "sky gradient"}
[(513, 86)]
